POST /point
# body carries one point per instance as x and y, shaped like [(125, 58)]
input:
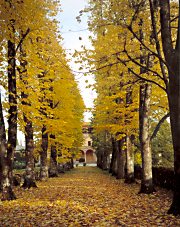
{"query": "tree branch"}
[(155, 36), (175, 18), (55, 105), (158, 126), (137, 9), (140, 77), (166, 29), (144, 67), (178, 35), (22, 39), (147, 48)]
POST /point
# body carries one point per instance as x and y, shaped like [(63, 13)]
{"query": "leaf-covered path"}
[(86, 196)]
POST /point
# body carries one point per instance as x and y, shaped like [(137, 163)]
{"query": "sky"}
[(71, 30)]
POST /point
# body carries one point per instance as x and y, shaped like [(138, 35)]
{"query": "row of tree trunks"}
[(103, 159), (122, 162), (7, 152), (7, 146)]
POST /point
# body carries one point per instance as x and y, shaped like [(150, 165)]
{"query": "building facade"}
[(87, 151)]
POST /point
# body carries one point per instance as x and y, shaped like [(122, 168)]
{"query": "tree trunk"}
[(12, 119), (114, 160), (174, 104), (6, 185), (129, 177), (53, 170), (1, 169), (113, 155), (71, 162), (121, 159), (43, 155), (144, 136), (3, 148), (172, 57), (7, 161), (104, 159), (100, 158), (29, 180)]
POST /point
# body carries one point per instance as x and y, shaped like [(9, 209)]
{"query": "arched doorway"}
[(90, 156)]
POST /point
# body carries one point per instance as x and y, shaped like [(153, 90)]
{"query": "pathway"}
[(86, 196)]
